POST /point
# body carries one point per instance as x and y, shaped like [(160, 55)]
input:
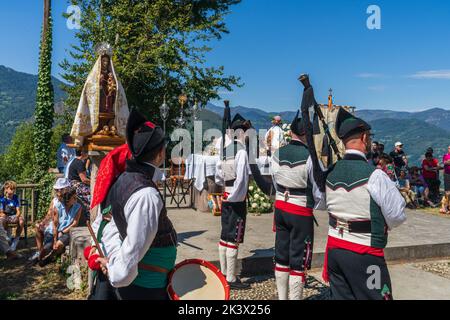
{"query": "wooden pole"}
[(47, 5)]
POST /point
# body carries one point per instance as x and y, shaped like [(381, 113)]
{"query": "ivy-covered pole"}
[(45, 98)]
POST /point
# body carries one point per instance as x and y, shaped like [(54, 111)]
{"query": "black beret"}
[(347, 124), (298, 125), (143, 136)]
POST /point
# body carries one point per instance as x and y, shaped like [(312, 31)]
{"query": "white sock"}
[(282, 280), (296, 284), (223, 258), (232, 255)]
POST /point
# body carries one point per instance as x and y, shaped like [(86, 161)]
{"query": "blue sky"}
[(403, 66)]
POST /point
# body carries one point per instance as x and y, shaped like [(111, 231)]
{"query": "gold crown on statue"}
[(104, 49)]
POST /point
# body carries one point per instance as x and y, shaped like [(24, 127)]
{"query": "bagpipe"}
[(309, 101)]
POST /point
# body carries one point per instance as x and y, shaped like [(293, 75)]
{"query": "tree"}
[(159, 49), (44, 99)]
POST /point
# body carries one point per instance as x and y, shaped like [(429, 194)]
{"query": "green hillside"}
[(17, 101)]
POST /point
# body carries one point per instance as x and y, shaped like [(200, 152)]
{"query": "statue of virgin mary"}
[(103, 101)]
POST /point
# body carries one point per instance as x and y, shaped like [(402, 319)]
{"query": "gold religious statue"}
[(102, 112)]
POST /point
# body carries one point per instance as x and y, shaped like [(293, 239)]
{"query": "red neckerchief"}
[(110, 168)]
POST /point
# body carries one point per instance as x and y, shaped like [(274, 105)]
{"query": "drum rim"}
[(209, 265)]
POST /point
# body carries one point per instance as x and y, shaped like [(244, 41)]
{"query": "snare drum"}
[(197, 280)]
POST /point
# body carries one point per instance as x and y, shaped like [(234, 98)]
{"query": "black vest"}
[(136, 177)]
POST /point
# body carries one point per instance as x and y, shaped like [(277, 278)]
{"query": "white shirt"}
[(64, 152), (142, 215), (386, 195), (319, 197), (277, 137), (238, 192)]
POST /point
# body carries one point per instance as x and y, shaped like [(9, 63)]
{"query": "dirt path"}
[(21, 280)]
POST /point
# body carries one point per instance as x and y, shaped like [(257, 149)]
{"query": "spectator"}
[(430, 172), (380, 148), (4, 245), (274, 137), (76, 172), (399, 157), (64, 153), (53, 234), (385, 163), (419, 186), (405, 189), (446, 162), (10, 212), (445, 203), (372, 156)]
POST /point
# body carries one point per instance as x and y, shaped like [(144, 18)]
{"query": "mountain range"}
[(18, 99), (416, 130)]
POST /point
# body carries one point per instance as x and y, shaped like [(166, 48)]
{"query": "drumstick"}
[(100, 252)]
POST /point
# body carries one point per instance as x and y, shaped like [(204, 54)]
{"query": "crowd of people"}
[(69, 205), (420, 186)]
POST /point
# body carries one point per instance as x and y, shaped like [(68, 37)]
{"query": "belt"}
[(229, 183), (148, 267), (292, 191), (352, 226)]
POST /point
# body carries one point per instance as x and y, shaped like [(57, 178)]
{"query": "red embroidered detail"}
[(282, 269)]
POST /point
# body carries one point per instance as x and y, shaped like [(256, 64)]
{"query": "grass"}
[(21, 280)]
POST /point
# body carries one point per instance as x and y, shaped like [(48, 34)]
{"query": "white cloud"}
[(431, 74), (369, 75)]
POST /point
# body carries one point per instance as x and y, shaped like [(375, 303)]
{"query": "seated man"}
[(405, 189), (10, 212), (76, 172), (53, 234), (419, 186)]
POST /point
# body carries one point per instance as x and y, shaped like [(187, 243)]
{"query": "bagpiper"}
[(363, 205), (232, 173), (296, 196)]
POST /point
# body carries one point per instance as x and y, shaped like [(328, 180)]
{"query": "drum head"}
[(197, 280)]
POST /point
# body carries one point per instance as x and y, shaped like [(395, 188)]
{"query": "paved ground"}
[(411, 282), (422, 236)]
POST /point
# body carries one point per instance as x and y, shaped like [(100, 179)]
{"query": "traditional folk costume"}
[(296, 196), (233, 174), (134, 230), (363, 204)]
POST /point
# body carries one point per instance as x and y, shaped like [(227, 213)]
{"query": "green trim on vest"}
[(291, 155), (349, 174), (379, 235)]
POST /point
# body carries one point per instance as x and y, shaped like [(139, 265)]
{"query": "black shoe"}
[(238, 285)]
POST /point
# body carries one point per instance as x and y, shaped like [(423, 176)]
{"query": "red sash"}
[(335, 243)]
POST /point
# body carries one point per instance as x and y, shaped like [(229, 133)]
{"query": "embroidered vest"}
[(348, 199), (290, 175)]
